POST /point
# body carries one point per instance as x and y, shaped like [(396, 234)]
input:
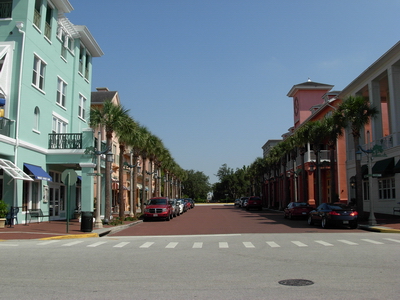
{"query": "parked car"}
[(242, 201), (329, 214), (181, 206), (158, 208), (187, 204), (175, 207), (254, 202), (237, 202), (297, 209)]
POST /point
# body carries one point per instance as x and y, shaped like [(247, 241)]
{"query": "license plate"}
[(155, 215), (345, 222)]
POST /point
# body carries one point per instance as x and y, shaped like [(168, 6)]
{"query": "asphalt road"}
[(225, 219)]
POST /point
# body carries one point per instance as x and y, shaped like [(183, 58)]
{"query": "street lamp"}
[(368, 152), (132, 185)]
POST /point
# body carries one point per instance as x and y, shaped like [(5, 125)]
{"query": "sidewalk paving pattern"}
[(58, 229)]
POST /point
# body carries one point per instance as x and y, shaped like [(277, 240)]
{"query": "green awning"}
[(384, 167), (396, 168)]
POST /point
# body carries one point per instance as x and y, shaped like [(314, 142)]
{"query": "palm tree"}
[(334, 130), (128, 126), (110, 116), (317, 132), (300, 140), (354, 113)]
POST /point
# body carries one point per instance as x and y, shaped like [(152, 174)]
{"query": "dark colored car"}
[(297, 209), (330, 214), (191, 202), (254, 202), (188, 204), (158, 208)]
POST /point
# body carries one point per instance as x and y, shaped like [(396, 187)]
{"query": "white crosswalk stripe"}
[(392, 240), (96, 244), (248, 245), (72, 243), (47, 242), (348, 242), (120, 245), (198, 245), (324, 243), (223, 245), (372, 241), (300, 244), (273, 244), (147, 245), (171, 245)]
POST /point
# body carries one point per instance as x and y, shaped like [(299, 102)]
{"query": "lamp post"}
[(368, 152), (132, 185), (109, 158)]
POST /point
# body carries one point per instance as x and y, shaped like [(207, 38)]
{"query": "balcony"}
[(65, 141), (5, 126)]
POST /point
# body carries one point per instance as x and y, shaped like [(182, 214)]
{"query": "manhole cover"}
[(296, 282)]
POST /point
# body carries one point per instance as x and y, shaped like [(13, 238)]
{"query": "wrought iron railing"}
[(65, 141)]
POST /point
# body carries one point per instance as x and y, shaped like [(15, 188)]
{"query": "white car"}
[(181, 205)]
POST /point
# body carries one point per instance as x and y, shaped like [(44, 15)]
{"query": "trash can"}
[(86, 221)]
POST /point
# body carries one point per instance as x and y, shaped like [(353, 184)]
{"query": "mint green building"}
[(45, 89)]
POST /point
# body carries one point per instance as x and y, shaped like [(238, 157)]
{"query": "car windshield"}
[(337, 206), (157, 201), (298, 204)]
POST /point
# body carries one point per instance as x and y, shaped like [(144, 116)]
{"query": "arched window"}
[(36, 119)]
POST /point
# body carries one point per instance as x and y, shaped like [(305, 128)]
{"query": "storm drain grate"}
[(296, 282)]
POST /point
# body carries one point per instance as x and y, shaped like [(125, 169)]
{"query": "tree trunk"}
[(121, 197)]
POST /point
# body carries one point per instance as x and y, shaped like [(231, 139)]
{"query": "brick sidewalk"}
[(51, 229)]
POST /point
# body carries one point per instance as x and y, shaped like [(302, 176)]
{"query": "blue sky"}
[(210, 77)]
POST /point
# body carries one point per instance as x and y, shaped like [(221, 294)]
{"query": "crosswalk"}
[(210, 244)]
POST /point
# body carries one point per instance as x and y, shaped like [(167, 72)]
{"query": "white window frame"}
[(59, 124), (387, 188), (36, 120), (39, 70), (61, 92), (82, 107)]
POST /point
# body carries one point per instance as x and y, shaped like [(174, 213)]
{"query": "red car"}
[(297, 209), (158, 208), (254, 202)]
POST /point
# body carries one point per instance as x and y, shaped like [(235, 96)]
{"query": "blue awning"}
[(38, 172)]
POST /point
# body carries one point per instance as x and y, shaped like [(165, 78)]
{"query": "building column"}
[(375, 100), (87, 190), (394, 103)]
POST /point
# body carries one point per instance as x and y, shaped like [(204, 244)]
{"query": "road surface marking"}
[(198, 245), (323, 243), (96, 244), (223, 245), (372, 241), (347, 242), (171, 245), (48, 242), (120, 245), (300, 244), (392, 240), (146, 245), (72, 243), (273, 244), (248, 245)]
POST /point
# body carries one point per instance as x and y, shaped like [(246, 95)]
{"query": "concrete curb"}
[(96, 233), (379, 229)]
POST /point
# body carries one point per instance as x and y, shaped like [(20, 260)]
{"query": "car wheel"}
[(310, 221), (168, 218), (324, 223), (290, 216)]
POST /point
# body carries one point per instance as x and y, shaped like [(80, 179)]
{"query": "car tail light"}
[(334, 213), (354, 213)]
